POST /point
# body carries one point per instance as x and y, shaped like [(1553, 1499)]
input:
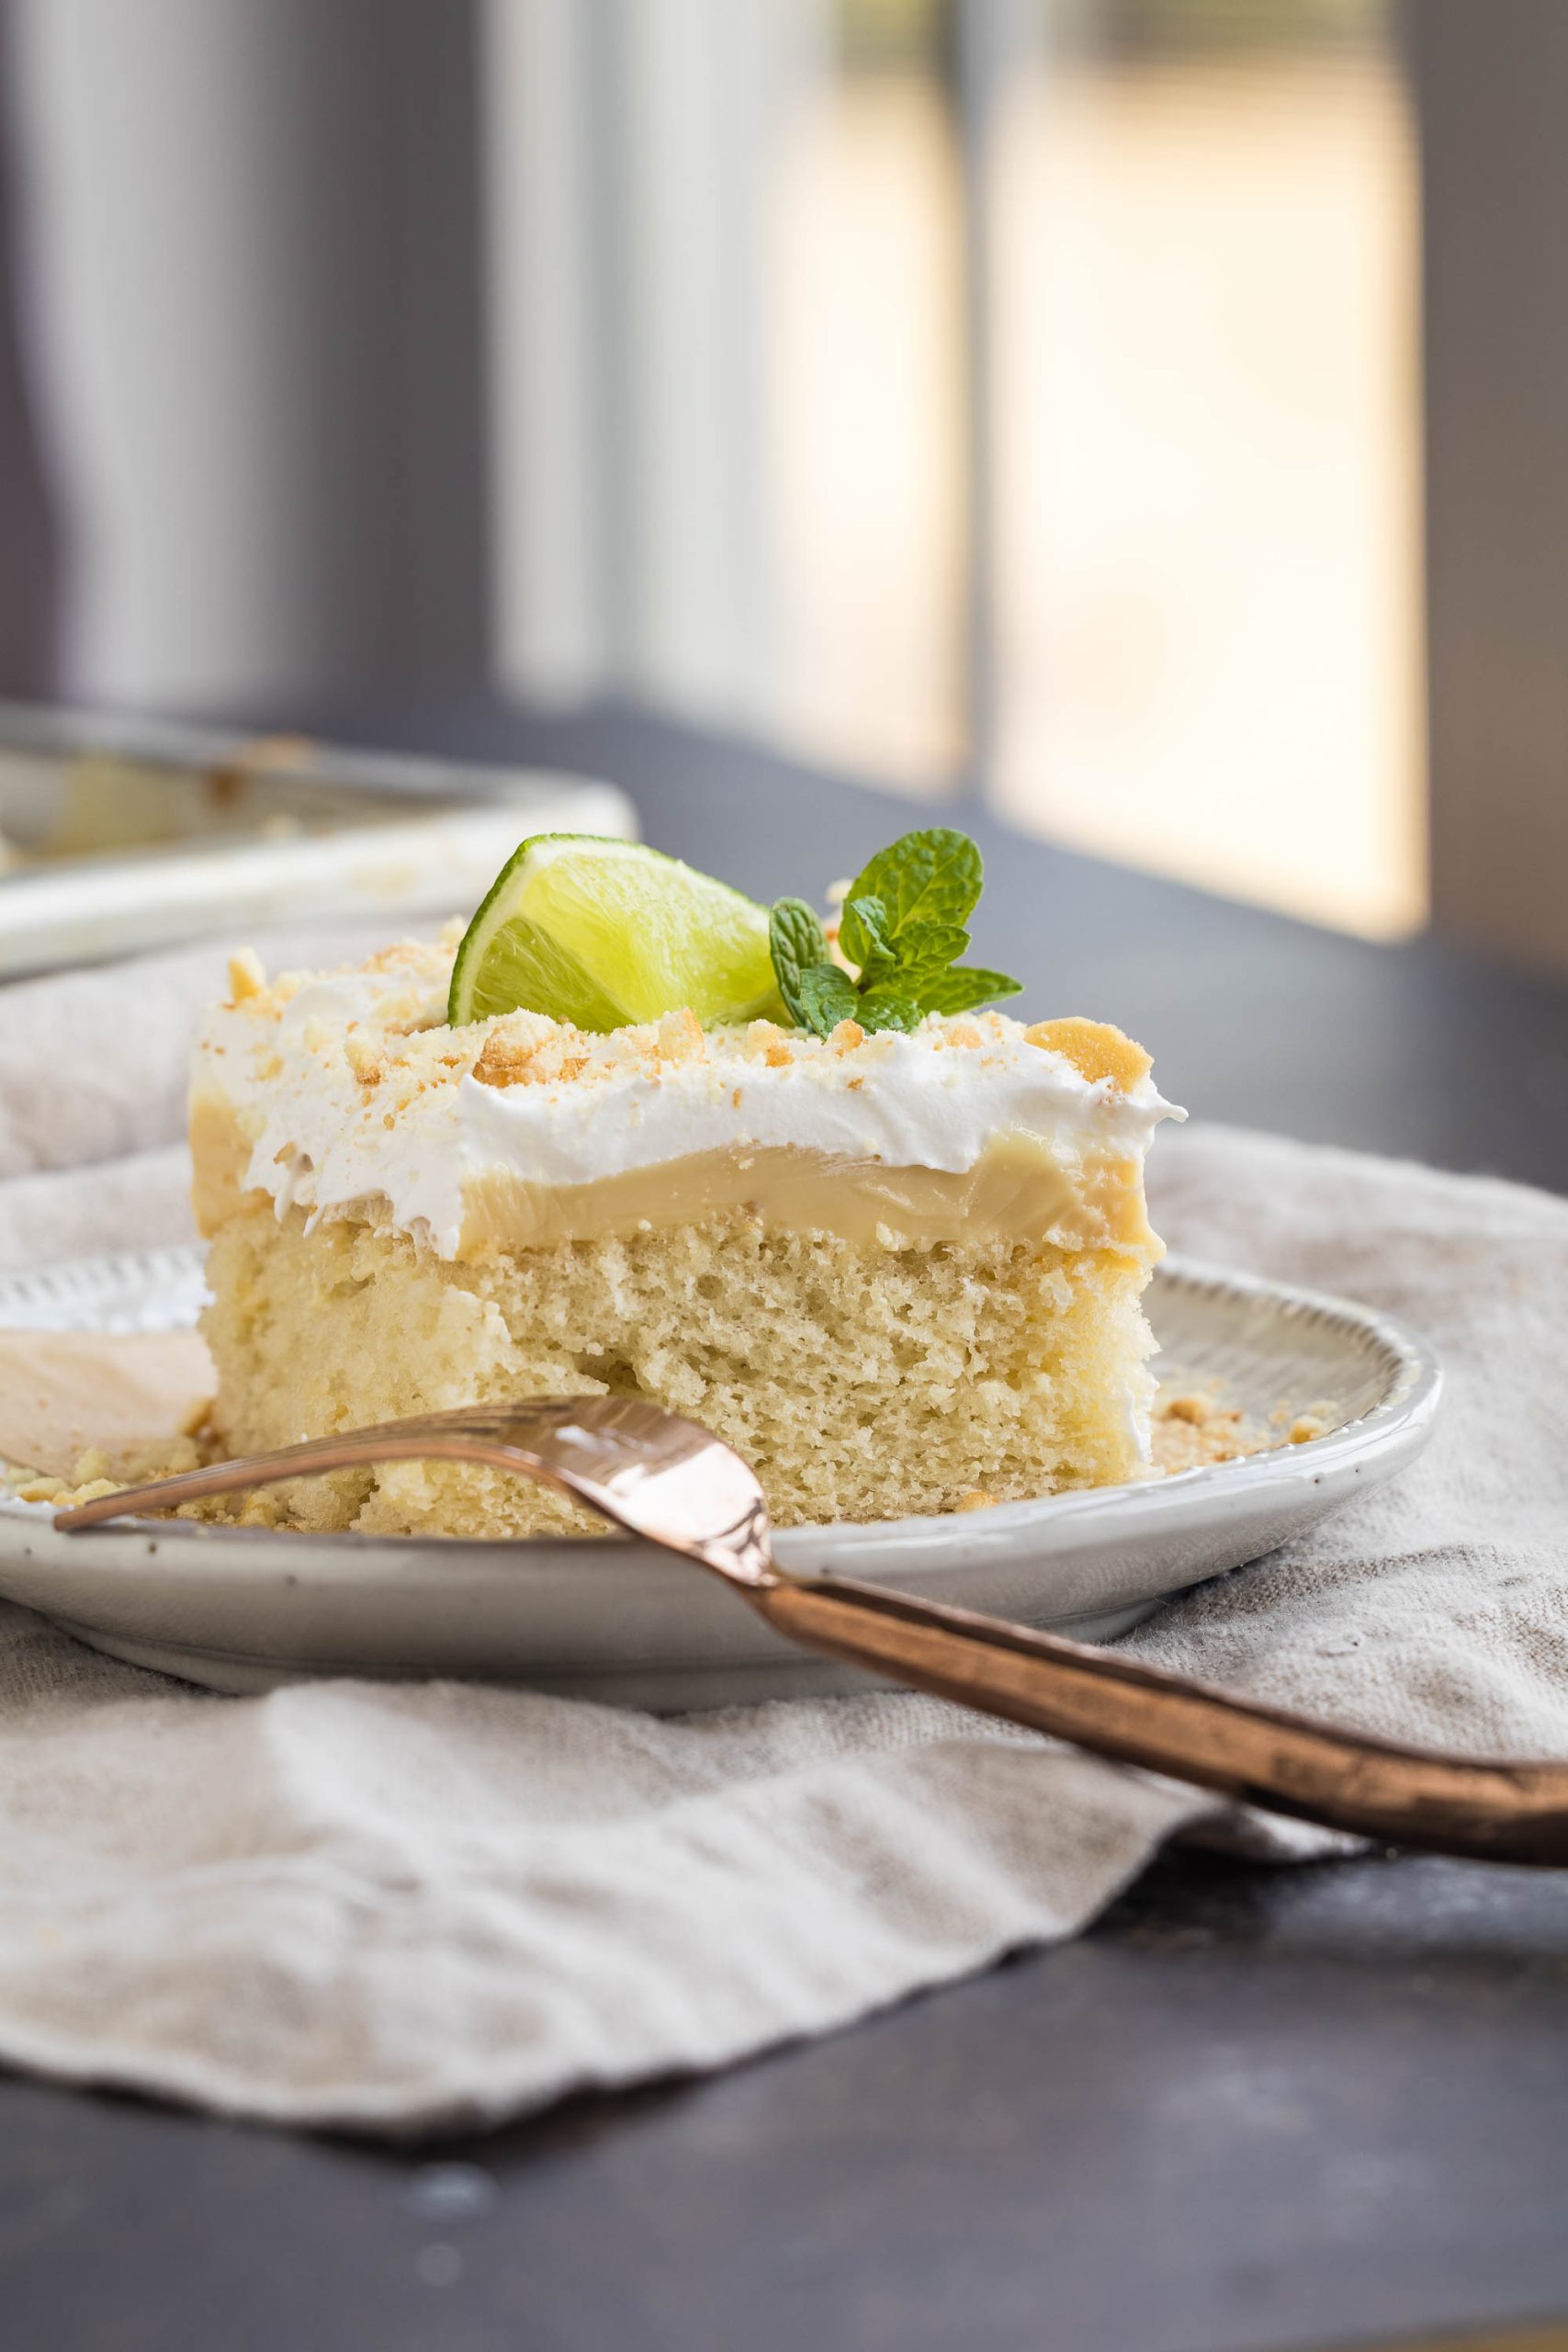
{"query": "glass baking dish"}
[(120, 833)]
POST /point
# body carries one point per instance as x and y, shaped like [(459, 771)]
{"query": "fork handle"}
[(1488, 1809)]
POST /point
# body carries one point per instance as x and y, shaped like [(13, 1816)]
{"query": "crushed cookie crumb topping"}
[(247, 977), (1096, 1048), (367, 1062), (386, 1017)]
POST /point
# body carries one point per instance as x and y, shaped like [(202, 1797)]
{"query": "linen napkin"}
[(410, 1907)]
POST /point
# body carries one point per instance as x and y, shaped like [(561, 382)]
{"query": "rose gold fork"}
[(675, 1484)]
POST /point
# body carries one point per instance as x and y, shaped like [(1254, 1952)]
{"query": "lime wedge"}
[(601, 932)]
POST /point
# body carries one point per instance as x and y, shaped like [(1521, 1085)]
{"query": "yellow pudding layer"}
[(1017, 1190)]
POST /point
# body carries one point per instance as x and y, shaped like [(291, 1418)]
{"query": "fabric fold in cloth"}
[(410, 1907)]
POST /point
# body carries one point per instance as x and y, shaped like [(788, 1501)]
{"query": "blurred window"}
[(868, 384), (1205, 428), (1014, 388)]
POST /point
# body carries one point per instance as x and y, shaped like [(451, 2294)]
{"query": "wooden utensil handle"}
[(1489, 1808)]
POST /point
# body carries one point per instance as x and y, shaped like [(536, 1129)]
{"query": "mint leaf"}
[(863, 936), (963, 987), (798, 945), (903, 927), (826, 996), (930, 947), (931, 877), (890, 1007)]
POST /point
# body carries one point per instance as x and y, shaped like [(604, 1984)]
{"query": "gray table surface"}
[(1253, 2108)]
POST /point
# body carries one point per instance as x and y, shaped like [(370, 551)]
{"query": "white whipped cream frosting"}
[(324, 1137)]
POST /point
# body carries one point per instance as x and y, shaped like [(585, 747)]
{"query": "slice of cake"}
[(897, 1268)]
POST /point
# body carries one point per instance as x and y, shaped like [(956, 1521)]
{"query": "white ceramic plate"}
[(242, 1609)]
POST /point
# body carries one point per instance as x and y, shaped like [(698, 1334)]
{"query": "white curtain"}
[(630, 144), (245, 225)]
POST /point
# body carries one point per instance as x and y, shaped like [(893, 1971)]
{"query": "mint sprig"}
[(904, 928)]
